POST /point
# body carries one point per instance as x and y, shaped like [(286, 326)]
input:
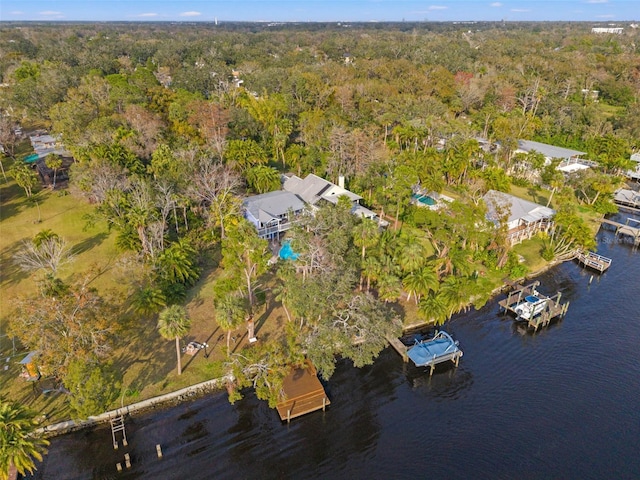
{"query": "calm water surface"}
[(563, 403)]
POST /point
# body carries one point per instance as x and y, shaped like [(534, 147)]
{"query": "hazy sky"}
[(320, 10)]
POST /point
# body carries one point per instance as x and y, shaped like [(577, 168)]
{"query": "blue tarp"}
[(427, 352), (32, 158)]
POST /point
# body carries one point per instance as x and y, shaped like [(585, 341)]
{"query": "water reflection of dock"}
[(552, 306)]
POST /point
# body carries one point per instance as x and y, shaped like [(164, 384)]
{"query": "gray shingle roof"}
[(271, 205), (313, 188)]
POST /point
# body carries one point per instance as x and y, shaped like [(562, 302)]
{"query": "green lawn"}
[(531, 251), (148, 362), (22, 218), (539, 196)]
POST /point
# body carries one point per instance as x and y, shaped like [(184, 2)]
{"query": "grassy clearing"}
[(539, 196), (531, 251), (146, 360)]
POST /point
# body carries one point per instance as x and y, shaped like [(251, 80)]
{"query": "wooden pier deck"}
[(552, 309), (399, 347), (593, 260), (303, 392), (626, 228)]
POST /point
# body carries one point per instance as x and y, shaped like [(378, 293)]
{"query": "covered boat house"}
[(441, 348)]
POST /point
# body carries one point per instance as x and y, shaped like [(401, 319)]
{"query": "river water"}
[(561, 403)]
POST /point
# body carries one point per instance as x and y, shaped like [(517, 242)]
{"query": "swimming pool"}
[(286, 253), (423, 199)]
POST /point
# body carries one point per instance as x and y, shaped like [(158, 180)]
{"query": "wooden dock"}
[(552, 309), (303, 392), (626, 228), (399, 347), (593, 260)]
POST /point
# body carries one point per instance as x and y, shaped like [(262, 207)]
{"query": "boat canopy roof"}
[(429, 352)]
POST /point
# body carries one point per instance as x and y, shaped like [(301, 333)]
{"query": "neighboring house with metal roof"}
[(273, 213), (524, 218), (44, 144), (570, 160)]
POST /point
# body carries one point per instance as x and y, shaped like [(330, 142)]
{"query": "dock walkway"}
[(552, 309), (593, 260)]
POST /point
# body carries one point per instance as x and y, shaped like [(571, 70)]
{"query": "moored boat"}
[(440, 348)]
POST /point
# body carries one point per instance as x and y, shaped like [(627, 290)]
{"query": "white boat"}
[(532, 306)]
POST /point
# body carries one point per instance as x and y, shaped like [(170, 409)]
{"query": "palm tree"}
[(24, 176), (174, 322), (371, 269), (411, 254), (455, 293), (230, 313), (365, 235), (434, 308), (148, 300), (19, 444), (421, 282), (54, 162), (389, 288), (263, 178), (177, 263), (44, 235)]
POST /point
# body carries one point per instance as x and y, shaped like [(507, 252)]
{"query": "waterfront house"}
[(314, 190), (273, 213), (570, 160), (524, 218)]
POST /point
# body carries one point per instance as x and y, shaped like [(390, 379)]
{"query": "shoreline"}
[(178, 396), (496, 291), (214, 385)]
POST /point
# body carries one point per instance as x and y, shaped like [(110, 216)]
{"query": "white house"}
[(634, 173), (616, 30), (524, 218), (570, 160), (273, 213)]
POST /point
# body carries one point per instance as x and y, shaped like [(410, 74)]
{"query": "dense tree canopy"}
[(171, 127)]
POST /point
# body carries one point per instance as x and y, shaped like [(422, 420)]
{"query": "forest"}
[(169, 127)]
